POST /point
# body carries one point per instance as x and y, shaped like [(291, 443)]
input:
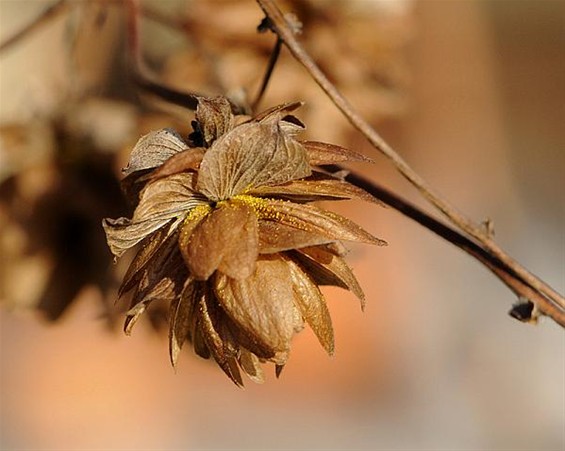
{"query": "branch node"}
[(488, 226), (525, 310), (292, 22)]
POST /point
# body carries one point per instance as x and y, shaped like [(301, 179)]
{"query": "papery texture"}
[(251, 155), (229, 239)]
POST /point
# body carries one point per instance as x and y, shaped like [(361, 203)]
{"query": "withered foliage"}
[(229, 239)]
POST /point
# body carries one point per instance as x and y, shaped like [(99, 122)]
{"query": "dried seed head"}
[(229, 238)]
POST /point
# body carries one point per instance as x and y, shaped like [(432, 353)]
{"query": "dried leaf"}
[(249, 156), (133, 184), (153, 149), (187, 160), (277, 112), (226, 240), (326, 268), (314, 190), (181, 318), (312, 305), (161, 201), (148, 250), (280, 116), (218, 337), (215, 118), (262, 305), (315, 220), (251, 365), (249, 341), (198, 341), (163, 280), (160, 286), (276, 237), (132, 316), (324, 153)]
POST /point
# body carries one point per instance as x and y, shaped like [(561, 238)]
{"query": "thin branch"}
[(269, 71), (550, 301), (171, 95), (499, 268), (45, 17)]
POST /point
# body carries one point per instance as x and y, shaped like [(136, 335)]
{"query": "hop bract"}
[(229, 238)]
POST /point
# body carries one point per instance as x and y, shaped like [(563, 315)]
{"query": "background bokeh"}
[(472, 93)]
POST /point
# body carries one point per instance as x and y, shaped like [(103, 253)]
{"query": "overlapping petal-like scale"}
[(276, 113), (280, 116), (218, 337), (249, 156), (251, 365), (181, 317), (214, 118), (275, 237), (312, 305), (161, 202), (262, 305), (314, 220), (163, 280), (327, 268), (153, 149), (149, 250), (324, 153), (225, 240), (186, 160), (314, 189)]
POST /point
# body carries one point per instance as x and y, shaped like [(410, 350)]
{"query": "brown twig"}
[(270, 67), (46, 16), (499, 268), (547, 300)]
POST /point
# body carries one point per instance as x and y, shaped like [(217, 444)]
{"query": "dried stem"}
[(499, 268), (268, 72), (45, 17), (548, 301)]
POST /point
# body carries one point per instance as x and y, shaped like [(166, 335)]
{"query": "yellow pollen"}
[(198, 212), (266, 212), (260, 206)]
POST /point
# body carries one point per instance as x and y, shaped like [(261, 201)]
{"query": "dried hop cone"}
[(229, 238)]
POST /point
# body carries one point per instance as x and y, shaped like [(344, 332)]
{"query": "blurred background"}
[(472, 93)]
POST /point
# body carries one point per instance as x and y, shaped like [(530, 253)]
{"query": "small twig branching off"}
[(269, 71), (526, 285)]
